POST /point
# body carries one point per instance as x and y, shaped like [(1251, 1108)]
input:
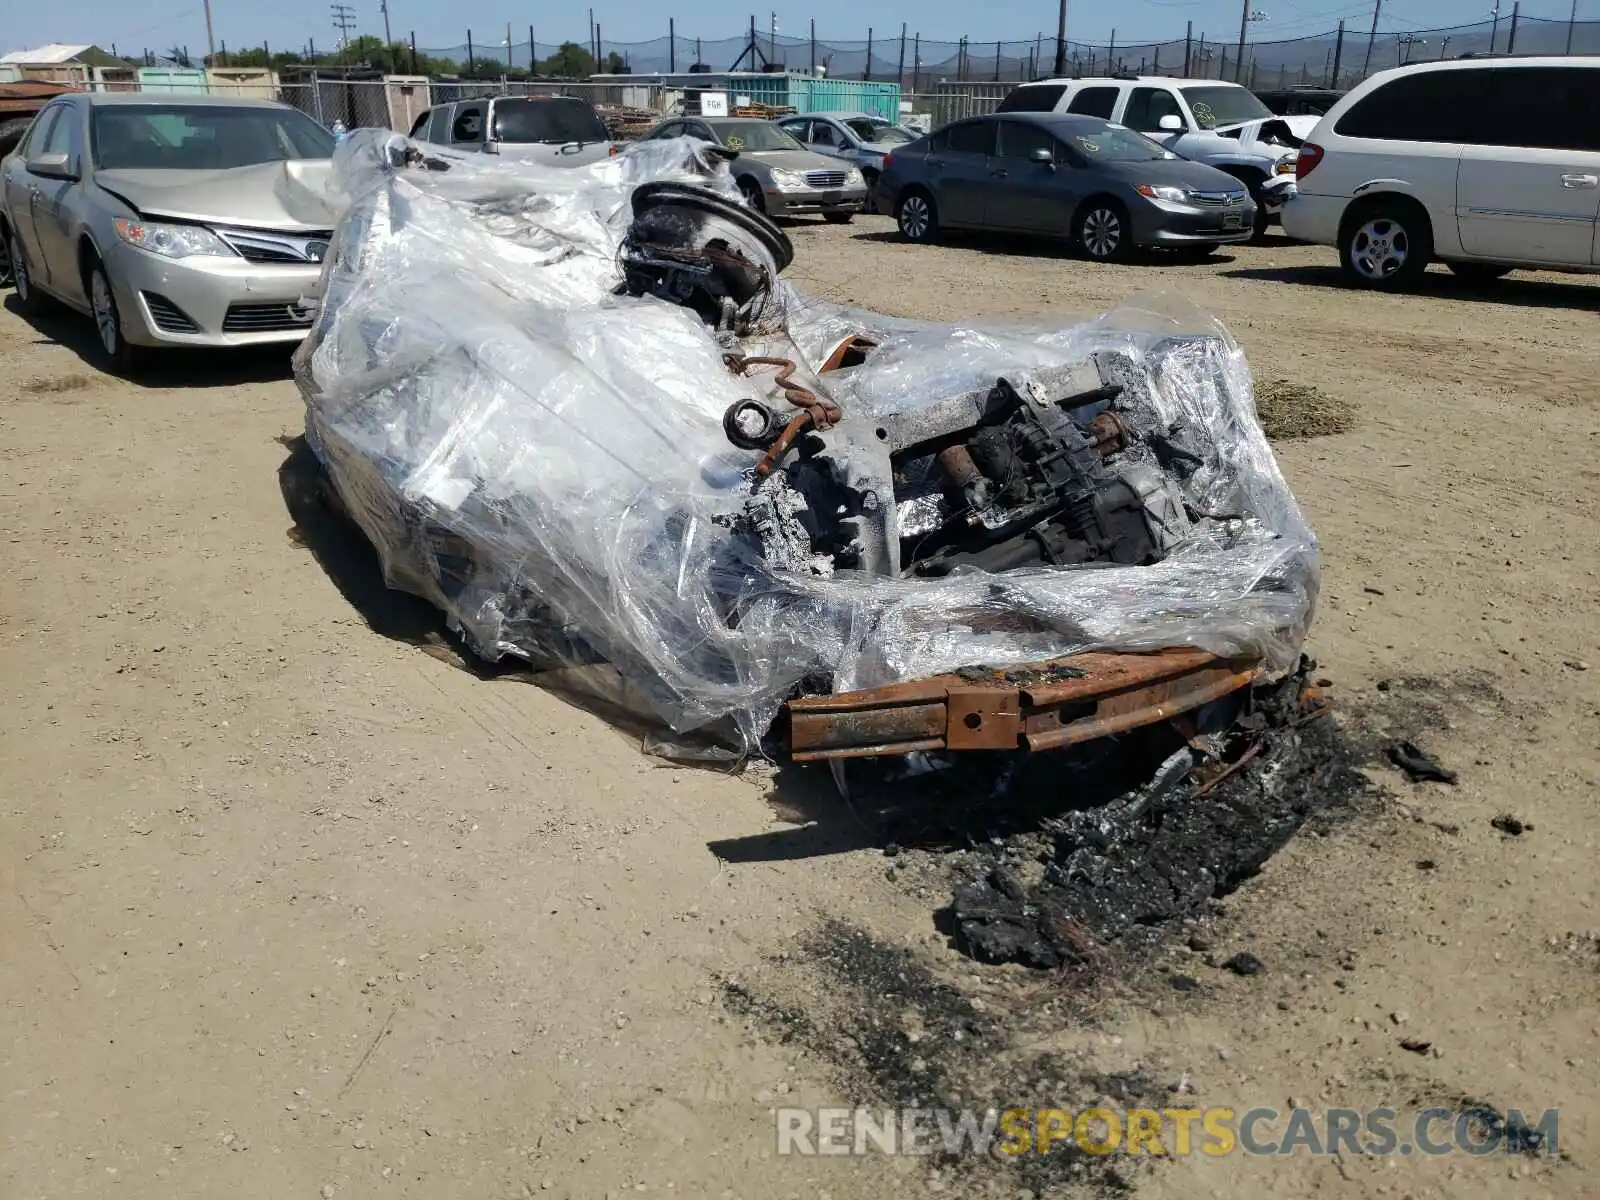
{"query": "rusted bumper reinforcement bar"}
[(1039, 706)]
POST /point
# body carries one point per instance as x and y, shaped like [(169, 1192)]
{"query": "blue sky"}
[(288, 23)]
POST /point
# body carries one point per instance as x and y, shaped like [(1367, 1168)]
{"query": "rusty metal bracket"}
[(1039, 706)]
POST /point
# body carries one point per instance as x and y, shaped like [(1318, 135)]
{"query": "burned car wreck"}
[(581, 413)]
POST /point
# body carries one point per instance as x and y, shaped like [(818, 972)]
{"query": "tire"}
[(1478, 272), (1101, 231), (1386, 246), (838, 218), (121, 356), (1258, 231), (751, 191), (917, 216), (870, 178), (11, 133), (30, 300)]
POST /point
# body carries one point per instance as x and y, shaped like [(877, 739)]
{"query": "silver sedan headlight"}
[(788, 181), (853, 178), (171, 241)]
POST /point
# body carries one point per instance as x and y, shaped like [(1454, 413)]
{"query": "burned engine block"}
[(1039, 470)]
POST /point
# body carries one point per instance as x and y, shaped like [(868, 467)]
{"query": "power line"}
[(344, 20)]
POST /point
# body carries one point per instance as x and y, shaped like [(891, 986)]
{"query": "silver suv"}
[(559, 131), (1209, 121)]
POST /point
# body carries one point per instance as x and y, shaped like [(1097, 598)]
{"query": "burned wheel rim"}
[(915, 218), (1102, 233), (104, 309), (1379, 248)]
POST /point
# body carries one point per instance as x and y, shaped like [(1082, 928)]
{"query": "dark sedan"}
[(1101, 186)]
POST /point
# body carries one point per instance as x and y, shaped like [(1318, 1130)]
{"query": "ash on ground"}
[(1067, 855)]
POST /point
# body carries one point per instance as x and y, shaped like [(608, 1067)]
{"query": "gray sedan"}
[(1100, 186), (777, 175), (172, 221)]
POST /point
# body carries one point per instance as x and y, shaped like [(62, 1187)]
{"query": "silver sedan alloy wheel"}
[(19, 269), (104, 309)]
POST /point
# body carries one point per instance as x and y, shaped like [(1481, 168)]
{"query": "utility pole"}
[(672, 45), (1188, 47), (1061, 40), (344, 20), (916, 62), (900, 76), (1377, 7), (1494, 28), (1338, 55), (1511, 41), (866, 71), (1244, 23), (813, 45), (211, 45), (388, 38), (1571, 21)]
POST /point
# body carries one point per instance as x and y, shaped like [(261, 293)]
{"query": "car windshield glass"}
[(148, 137), (1217, 106), (752, 135), (550, 121), (882, 132), (1105, 142)]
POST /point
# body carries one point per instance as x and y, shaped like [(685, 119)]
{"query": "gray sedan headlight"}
[(853, 178), (1172, 195), (171, 241)]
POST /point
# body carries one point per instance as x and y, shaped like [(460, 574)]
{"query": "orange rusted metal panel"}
[(1034, 706)]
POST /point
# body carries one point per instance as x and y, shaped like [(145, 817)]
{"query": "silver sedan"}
[(171, 221)]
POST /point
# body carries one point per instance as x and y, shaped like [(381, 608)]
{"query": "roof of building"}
[(54, 53)]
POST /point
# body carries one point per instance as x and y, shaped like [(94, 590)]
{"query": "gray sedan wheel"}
[(917, 218), (1103, 232)]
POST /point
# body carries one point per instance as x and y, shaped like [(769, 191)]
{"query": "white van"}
[(1485, 164)]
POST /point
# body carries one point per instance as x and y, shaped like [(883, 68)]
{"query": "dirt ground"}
[(292, 908)]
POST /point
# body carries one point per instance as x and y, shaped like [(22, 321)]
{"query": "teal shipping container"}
[(804, 93), (172, 79)]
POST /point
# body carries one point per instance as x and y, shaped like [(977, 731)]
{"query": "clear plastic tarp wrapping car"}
[(579, 411)]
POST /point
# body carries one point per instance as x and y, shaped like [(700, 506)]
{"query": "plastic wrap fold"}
[(544, 459)]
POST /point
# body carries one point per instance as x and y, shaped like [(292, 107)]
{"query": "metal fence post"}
[(1338, 56)]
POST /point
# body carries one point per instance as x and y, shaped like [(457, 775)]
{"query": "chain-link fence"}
[(1333, 58), (941, 80)]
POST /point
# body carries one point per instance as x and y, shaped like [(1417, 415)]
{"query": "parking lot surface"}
[(295, 906)]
